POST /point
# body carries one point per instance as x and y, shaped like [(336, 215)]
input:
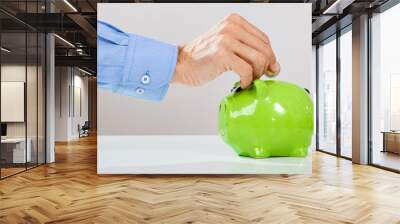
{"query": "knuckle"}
[(227, 28), (194, 82), (259, 59), (233, 17), (260, 62), (197, 83), (221, 52), (225, 40), (267, 38)]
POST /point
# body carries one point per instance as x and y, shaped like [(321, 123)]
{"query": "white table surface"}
[(12, 140), (185, 154), (19, 149)]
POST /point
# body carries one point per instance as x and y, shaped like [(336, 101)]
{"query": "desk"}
[(16, 147), (185, 154), (391, 141)]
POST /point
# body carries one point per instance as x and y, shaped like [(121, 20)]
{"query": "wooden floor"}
[(387, 159), (5, 172), (70, 191)]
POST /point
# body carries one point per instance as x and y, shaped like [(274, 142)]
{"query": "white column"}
[(50, 92), (63, 103), (50, 99)]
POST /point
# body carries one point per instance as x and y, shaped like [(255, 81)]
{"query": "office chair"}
[(84, 130)]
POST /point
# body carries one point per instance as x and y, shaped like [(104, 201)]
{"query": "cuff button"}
[(145, 78), (139, 91)]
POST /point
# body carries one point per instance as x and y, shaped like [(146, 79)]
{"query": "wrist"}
[(178, 73)]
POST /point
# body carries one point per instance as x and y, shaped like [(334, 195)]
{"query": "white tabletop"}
[(185, 154), (12, 140)]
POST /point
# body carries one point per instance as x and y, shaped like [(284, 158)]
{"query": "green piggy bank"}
[(270, 118)]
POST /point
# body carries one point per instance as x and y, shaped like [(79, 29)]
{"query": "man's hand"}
[(232, 45)]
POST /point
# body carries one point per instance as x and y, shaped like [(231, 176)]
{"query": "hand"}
[(232, 45)]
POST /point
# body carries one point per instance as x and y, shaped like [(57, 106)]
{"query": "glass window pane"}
[(22, 90), (327, 97), (14, 153), (31, 97), (31, 87), (346, 94), (386, 89)]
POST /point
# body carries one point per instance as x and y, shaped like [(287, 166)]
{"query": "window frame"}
[(381, 9), (334, 37)]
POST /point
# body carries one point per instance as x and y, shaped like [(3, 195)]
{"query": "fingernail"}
[(274, 69)]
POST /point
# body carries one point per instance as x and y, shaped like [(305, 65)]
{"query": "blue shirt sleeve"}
[(133, 65)]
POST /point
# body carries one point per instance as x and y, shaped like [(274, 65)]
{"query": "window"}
[(327, 96), (22, 77), (14, 153), (346, 93), (385, 89), (333, 137)]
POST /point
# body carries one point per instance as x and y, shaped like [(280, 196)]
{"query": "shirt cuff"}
[(149, 67), (134, 65)]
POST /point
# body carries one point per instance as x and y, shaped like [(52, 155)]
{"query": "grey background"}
[(188, 110)]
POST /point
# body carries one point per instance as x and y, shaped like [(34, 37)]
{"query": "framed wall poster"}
[(12, 101), (179, 135)]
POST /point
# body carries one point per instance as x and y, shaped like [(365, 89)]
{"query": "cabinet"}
[(391, 141)]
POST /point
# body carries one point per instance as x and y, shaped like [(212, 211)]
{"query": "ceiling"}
[(74, 21)]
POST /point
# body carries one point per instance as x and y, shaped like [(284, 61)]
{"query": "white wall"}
[(61, 103), (33, 126), (188, 110), (16, 72), (79, 117), (69, 82)]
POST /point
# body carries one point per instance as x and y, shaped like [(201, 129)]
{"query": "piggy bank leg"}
[(259, 152), (299, 152)]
